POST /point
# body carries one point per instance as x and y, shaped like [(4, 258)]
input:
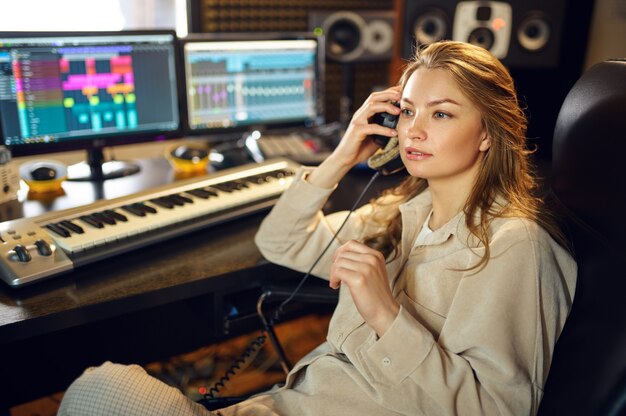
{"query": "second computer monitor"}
[(241, 81)]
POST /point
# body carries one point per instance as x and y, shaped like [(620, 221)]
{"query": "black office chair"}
[(588, 374)]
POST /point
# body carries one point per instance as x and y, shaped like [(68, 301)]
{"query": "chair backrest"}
[(588, 373)]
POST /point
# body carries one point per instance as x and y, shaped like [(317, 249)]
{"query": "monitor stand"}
[(95, 169)]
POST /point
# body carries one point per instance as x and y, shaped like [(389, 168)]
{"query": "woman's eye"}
[(406, 112), (439, 114)]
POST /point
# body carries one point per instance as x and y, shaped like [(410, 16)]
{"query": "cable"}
[(334, 237), (255, 346), (250, 352)]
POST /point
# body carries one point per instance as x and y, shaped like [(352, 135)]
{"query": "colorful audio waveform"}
[(89, 88), (99, 92)]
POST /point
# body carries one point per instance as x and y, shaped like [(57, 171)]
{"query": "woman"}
[(454, 286)]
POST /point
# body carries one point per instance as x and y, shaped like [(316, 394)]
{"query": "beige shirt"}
[(464, 342)]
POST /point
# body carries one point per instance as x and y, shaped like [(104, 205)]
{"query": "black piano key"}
[(173, 200), (282, 173), (163, 202), (230, 186), (201, 193), (223, 187), (146, 208), (102, 217), (91, 221), (116, 215), (133, 209), (211, 191), (241, 184), (62, 232), (258, 179), (70, 226), (181, 198)]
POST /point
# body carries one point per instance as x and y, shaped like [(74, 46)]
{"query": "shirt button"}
[(386, 361)]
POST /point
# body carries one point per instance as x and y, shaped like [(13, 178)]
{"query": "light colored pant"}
[(115, 389)]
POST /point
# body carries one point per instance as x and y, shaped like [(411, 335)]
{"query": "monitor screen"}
[(256, 80), (67, 91)]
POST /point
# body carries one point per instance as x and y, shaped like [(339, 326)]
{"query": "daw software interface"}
[(264, 82), (78, 87)]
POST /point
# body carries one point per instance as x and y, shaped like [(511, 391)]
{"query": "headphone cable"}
[(255, 345)]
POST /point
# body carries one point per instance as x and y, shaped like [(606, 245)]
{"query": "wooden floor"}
[(195, 371)]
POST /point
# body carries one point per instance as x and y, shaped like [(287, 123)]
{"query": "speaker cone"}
[(379, 37), (533, 32), (344, 31), (481, 36), (431, 26)]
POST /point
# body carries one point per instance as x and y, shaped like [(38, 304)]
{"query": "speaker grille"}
[(292, 15), (272, 15)]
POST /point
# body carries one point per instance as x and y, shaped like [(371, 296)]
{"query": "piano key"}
[(182, 198), (87, 219), (58, 230), (134, 210), (70, 226), (146, 208), (163, 202), (201, 193), (103, 218), (116, 215), (174, 200)]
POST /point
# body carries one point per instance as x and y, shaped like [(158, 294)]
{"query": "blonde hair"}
[(504, 172)]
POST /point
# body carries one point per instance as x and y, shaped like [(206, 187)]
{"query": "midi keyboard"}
[(36, 248)]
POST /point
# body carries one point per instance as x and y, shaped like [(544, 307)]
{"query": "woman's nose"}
[(416, 129)]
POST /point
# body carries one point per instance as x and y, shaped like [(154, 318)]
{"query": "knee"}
[(99, 386), (116, 389), (106, 377)]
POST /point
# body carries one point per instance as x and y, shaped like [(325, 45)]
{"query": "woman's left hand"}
[(363, 270)]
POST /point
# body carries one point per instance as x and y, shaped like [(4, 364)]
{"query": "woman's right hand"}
[(356, 145)]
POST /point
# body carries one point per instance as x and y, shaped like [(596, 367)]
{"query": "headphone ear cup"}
[(387, 159)]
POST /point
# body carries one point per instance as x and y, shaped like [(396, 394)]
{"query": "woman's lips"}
[(415, 154)]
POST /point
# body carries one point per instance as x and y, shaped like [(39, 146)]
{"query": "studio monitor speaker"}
[(522, 33), (355, 36), (425, 23)]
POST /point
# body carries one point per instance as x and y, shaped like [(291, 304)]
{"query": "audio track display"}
[(243, 87), (76, 89)]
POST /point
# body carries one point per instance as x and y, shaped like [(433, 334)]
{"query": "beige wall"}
[(607, 37)]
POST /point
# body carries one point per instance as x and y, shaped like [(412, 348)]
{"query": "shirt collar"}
[(415, 211)]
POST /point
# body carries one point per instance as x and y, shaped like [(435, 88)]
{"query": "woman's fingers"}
[(354, 146), (373, 107), (357, 247), (380, 107), (358, 264), (362, 270), (390, 94), (354, 261)]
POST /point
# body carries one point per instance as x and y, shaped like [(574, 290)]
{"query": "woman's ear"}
[(485, 143)]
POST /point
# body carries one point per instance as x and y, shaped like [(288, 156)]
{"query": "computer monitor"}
[(79, 90), (238, 82)]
